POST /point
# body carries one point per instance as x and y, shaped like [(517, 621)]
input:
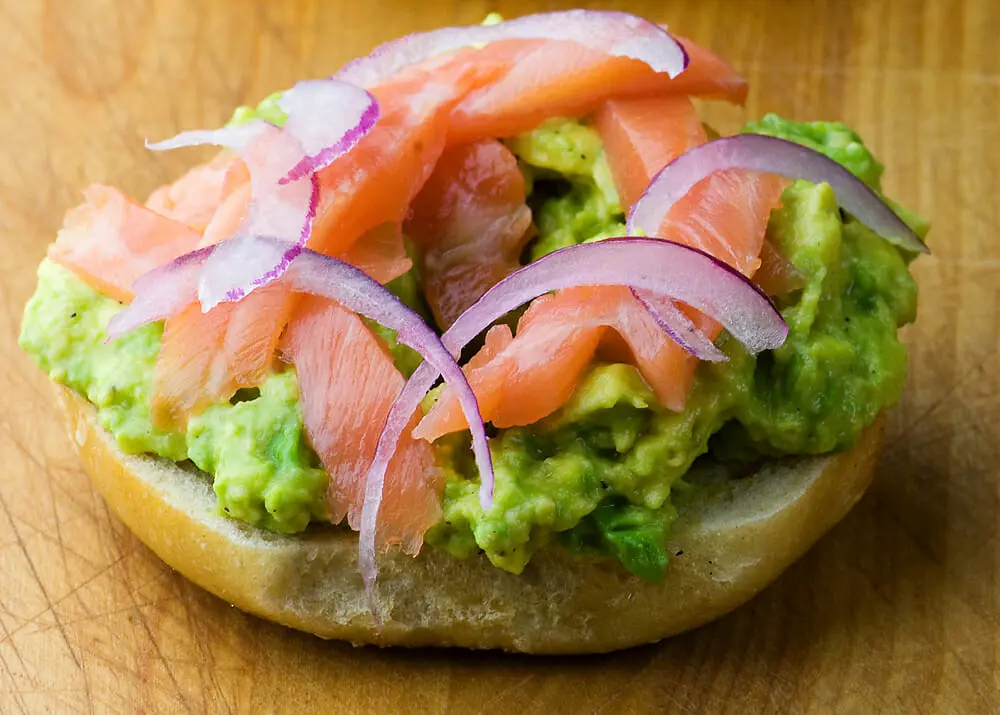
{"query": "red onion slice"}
[(658, 267), (285, 210), (236, 137), (678, 326), (319, 110), (161, 293), (754, 152), (238, 267), (326, 119), (616, 33)]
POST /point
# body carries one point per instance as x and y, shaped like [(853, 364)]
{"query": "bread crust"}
[(728, 548)]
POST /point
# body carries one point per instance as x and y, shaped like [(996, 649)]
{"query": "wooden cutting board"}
[(896, 610)]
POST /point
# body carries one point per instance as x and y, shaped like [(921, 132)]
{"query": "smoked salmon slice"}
[(470, 223), (207, 357), (777, 275), (548, 78), (725, 214), (522, 380), (194, 198), (641, 136), (110, 240), (347, 383), (380, 253)]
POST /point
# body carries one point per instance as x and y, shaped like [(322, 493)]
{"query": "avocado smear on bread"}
[(601, 475)]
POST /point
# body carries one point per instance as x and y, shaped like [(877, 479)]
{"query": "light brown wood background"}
[(896, 610)]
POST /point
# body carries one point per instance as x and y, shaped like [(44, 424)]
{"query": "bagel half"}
[(730, 547)]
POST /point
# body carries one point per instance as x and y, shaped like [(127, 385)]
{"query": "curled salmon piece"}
[(641, 136), (381, 253), (777, 275), (549, 78), (206, 357), (194, 198), (110, 240), (347, 383), (520, 380), (377, 181), (470, 223)]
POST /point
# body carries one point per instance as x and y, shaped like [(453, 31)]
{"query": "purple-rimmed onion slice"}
[(616, 33), (319, 110), (755, 152), (660, 268), (678, 326), (275, 209), (325, 119), (161, 293), (236, 137)]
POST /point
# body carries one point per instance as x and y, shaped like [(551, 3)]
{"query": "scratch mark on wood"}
[(57, 523), (41, 533), (38, 580), (500, 696), (130, 590), (204, 650), (943, 400), (91, 615), (974, 681), (620, 690), (9, 672)]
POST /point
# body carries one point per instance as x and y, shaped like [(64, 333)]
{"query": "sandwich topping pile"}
[(489, 290)]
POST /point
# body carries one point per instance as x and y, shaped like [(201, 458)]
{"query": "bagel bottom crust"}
[(728, 547)]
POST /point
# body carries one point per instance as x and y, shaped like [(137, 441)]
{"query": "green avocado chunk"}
[(571, 193), (267, 109), (255, 446)]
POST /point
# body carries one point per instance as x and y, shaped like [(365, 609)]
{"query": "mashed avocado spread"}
[(596, 477)]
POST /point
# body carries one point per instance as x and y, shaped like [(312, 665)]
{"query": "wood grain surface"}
[(896, 610)]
